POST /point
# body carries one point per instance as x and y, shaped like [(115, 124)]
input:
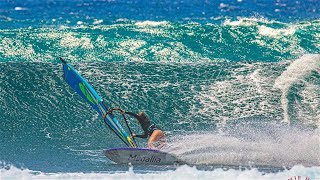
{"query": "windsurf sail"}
[(86, 91)]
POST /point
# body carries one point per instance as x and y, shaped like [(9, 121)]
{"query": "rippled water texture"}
[(233, 84)]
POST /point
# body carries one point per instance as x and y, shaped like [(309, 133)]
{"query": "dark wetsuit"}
[(147, 127)]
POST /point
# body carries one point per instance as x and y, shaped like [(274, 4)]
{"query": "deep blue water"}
[(15, 13), (230, 82)]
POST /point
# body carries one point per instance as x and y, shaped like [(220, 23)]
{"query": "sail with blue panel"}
[(86, 91)]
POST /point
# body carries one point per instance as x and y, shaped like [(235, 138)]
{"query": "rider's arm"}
[(145, 135), (132, 114)]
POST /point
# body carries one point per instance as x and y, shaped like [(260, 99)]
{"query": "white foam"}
[(296, 72), (153, 27), (222, 5), (246, 21), (151, 23), (182, 172), (15, 47), (132, 45), (79, 23), (20, 8), (97, 21), (271, 32), (71, 41)]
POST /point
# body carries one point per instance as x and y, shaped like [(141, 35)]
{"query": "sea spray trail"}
[(250, 144), (250, 39)]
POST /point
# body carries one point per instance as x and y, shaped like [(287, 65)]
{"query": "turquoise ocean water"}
[(230, 82)]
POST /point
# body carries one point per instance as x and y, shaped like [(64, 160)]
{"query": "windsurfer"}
[(156, 136)]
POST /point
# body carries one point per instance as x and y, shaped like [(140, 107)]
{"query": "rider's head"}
[(144, 117)]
